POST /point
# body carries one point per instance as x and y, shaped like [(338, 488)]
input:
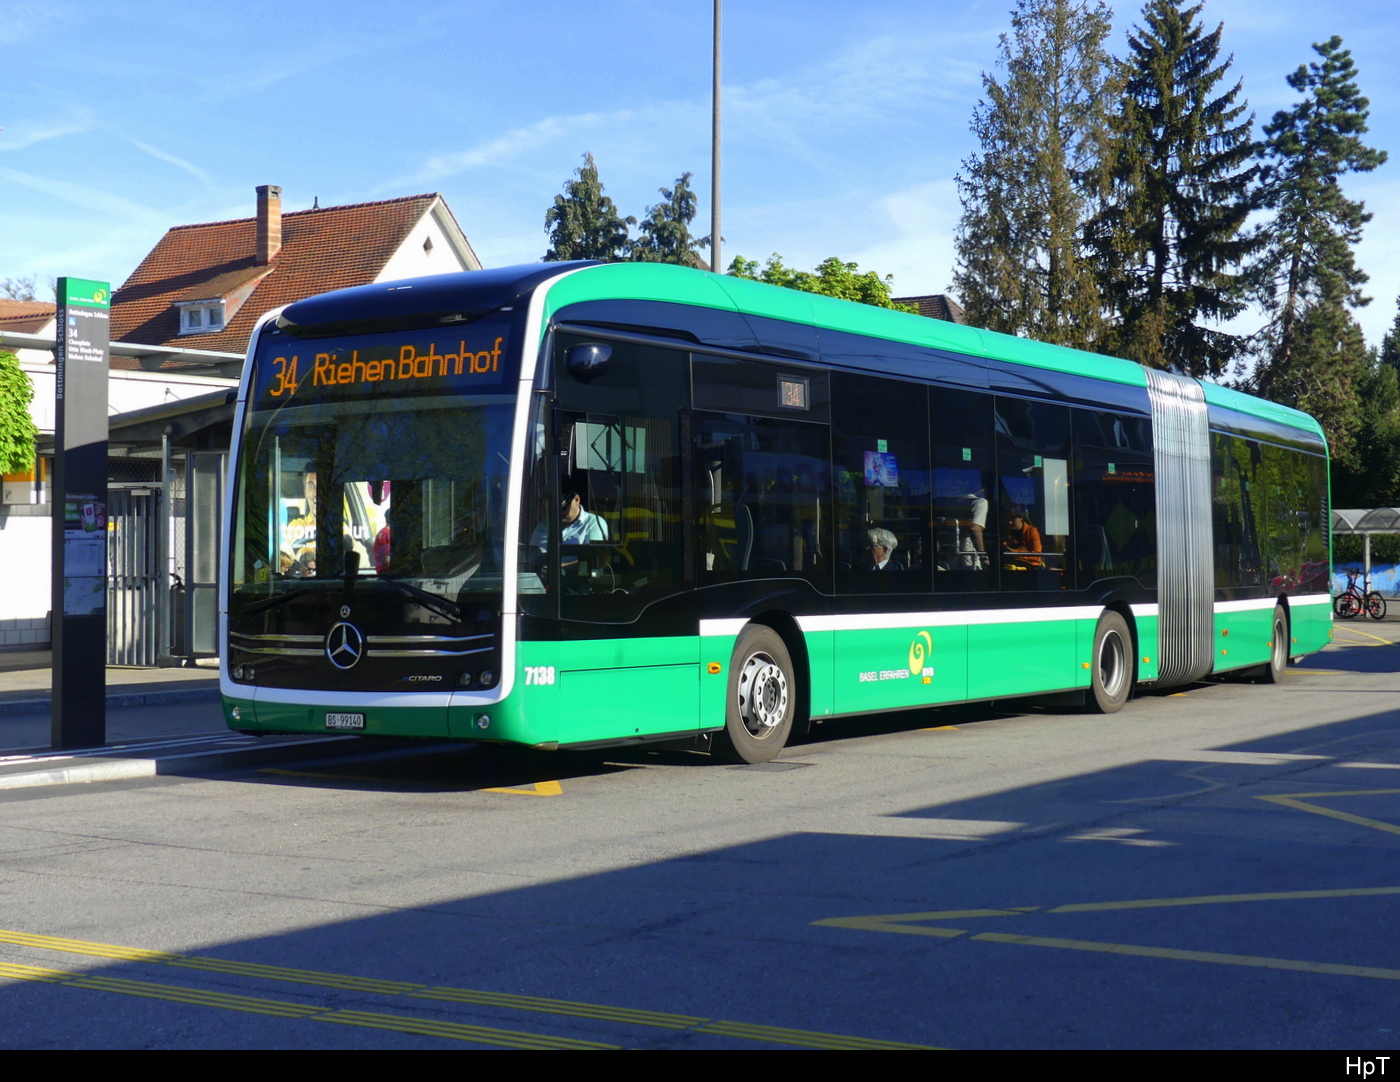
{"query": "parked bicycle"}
[(1353, 601)]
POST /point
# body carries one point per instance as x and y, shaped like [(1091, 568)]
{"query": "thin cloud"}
[(26, 133), (25, 20), (81, 195), (171, 159)]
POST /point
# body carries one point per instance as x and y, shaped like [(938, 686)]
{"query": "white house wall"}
[(450, 251)]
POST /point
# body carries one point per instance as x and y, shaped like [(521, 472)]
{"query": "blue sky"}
[(844, 123)]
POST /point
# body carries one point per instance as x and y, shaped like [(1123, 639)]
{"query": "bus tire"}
[(1272, 673), (1111, 667), (762, 698)]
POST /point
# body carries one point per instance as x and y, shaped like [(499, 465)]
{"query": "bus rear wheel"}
[(762, 698), (1112, 668)]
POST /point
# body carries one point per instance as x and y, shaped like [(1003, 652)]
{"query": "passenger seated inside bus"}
[(1021, 538), (879, 549)]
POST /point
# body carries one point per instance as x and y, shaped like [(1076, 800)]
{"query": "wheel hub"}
[(763, 694)]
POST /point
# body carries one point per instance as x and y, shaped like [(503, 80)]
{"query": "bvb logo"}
[(919, 652)]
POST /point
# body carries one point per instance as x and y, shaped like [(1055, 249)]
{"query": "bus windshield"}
[(343, 487)]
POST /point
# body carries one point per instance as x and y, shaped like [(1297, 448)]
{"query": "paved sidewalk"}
[(26, 684), (159, 721)]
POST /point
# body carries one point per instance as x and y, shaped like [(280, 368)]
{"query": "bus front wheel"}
[(1112, 666), (762, 698), (1272, 673)]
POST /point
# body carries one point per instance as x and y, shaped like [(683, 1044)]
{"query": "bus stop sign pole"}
[(79, 523)]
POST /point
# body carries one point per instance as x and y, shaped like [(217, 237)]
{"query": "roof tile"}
[(322, 249)]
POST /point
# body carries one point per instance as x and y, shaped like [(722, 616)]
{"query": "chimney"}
[(269, 222)]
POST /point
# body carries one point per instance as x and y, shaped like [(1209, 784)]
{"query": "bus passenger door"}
[(627, 661)]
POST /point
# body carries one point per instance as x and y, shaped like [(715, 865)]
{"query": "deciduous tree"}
[(17, 429), (832, 278)]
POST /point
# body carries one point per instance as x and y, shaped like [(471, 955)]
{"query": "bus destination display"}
[(291, 369)]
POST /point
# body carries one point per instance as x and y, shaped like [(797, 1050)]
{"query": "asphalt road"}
[(1213, 868)]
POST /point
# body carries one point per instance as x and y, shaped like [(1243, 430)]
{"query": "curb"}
[(89, 766), (43, 705)]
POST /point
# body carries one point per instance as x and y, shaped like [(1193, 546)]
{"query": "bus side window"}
[(1033, 505), (883, 487), (966, 529), (1115, 498)]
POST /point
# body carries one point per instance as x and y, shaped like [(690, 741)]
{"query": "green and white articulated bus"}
[(573, 505)]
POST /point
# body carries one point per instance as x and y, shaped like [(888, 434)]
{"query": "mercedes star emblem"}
[(345, 645)]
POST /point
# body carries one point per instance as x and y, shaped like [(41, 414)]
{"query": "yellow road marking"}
[(1367, 634), (568, 1008), (197, 997), (1194, 956), (1293, 800), (901, 923), (939, 729), (799, 1037), (540, 788)]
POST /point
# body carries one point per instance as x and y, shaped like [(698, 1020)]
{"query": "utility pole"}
[(714, 158)]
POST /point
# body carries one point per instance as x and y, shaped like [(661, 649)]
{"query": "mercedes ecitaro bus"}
[(571, 505)]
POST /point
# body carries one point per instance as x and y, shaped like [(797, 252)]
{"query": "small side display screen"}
[(473, 359)]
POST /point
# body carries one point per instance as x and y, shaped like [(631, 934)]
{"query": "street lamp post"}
[(714, 157)]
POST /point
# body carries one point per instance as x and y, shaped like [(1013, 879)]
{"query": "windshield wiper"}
[(440, 605)]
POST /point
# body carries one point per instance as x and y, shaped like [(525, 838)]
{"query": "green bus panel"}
[(896, 668), (715, 649), (1311, 625), (598, 689), (1022, 657), (821, 658), (1242, 636), (1148, 647)]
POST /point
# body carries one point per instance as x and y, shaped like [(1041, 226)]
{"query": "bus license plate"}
[(345, 721)]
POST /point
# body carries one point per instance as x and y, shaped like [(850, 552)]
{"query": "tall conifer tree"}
[(665, 231), (1311, 354), (583, 223), (1025, 195), (1170, 238)]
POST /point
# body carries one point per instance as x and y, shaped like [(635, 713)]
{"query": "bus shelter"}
[(1366, 521)]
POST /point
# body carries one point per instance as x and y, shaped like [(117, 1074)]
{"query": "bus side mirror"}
[(587, 360)]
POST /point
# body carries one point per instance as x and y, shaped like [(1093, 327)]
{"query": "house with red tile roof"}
[(204, 286)]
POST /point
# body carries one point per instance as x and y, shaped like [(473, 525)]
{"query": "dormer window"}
[(201, 317)]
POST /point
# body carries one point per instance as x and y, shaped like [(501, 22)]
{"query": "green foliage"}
[(17, 429), (1026, 194), (1176, 180), (583, 223), (665, 231), (832, 278), (1390, 345), (1370, 475), (1349, 548), (1306, 275)]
